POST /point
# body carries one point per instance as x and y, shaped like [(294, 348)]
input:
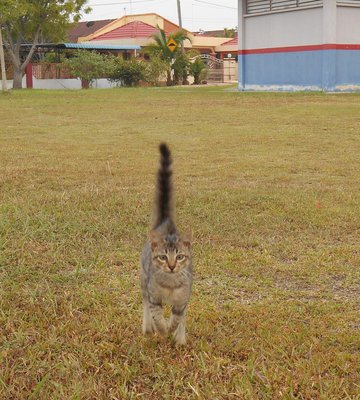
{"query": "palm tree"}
[(161, 50)]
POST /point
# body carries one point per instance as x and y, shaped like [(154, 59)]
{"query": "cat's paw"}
[(179, 336), (147, 327), (162, 329)]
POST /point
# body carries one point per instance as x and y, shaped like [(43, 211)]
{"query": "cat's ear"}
[(155, 238), (187, 239)]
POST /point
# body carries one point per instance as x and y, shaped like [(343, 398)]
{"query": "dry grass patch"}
[(270, 185)]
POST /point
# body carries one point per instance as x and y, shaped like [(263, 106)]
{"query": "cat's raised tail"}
[(164, 207)]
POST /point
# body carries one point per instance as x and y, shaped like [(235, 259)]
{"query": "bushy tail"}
[(164, 209)]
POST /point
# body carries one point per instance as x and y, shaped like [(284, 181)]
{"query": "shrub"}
[(53, 57), (198, 70), (156, 69), (128, 72), (181, 68), (88, 65)]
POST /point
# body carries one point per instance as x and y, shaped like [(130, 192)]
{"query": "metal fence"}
[(261, 6)]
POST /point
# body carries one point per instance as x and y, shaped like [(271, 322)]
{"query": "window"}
[(260, 6)]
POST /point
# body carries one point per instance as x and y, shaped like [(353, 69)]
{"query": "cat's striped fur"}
[(166, 263)]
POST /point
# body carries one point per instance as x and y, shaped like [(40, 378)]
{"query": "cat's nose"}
[(171, 267)]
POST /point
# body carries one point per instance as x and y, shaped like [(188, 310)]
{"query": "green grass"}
[(269, 184)]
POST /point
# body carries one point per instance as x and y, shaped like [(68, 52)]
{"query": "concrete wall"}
[(230, 70), (315, 48), (347, 70), (290, 28), (348, 24), (284, 71), (9, 83), (58, 84), (348, 33)]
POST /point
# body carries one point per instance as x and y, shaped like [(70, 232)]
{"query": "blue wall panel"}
[(289, 68), (320, 69), (348, 67)]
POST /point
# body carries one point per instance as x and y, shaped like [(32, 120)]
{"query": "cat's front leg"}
[(177, 324), (147, 325), (158, 319)]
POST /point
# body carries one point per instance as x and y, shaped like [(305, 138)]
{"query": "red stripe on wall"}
[(314, 47)]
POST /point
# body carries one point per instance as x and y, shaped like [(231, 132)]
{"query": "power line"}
[(120, 3), (210, 19), (148, 1), (215, 4)]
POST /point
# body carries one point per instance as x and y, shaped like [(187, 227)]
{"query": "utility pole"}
[(180, 24), (2, 62)]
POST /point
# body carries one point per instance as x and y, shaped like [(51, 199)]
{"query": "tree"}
[(26, 21), (160, 48), (230, 32), (89, 65)]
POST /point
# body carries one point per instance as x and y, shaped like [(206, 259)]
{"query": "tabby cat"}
[(166, 264)]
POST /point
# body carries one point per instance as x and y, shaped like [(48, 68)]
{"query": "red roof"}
[(86, 28), (130, 30), (232, 42)]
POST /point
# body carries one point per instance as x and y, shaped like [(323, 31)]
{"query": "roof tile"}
[(134, 29)]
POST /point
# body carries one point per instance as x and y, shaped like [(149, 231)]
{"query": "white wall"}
[(9, 83), (58, 84), (103, 84), (69, 84), (348, 25), (281, 29)]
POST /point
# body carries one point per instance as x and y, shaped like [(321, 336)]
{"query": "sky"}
[(196, 14)]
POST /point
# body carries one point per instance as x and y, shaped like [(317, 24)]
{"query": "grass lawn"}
[(270, 185)]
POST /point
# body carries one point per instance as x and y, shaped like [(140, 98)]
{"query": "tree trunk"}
[(17, 81), (85, 84), (168, 78), (13, 48)]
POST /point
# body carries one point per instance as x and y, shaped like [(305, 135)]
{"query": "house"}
[(138, 30), (299, 45), (228, 49), (86, 28)]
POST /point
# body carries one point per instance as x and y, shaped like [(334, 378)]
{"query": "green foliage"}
[(22, 19), (229, 32), (197, 70), (89, 65), (181, 68), (53, 57), (128, 72), (160, 49), (31, 21), (156, 68)]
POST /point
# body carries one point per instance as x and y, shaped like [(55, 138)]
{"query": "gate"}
[(215, 68)]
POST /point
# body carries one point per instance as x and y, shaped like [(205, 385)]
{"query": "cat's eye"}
[(162, 257), (180, 257)]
